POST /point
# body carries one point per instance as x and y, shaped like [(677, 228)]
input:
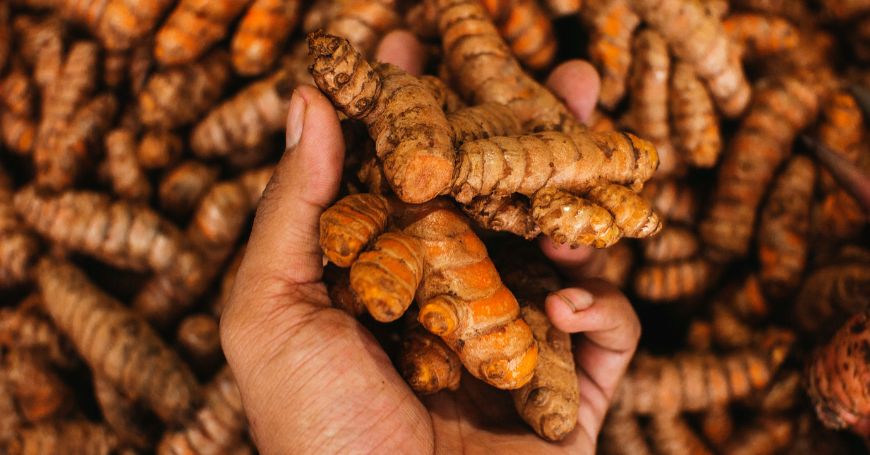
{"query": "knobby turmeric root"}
[(612, 24), (431, 254), (694, 382), (829, 293), (116, 343), (19, 249), (672, 280), (218, 425), (427, 363), (696, 126), (133, 425), (184, 186), (27, 327), (783, 231), (17, 122), (780, 109), (40, 394), (760, 35), (700, 40), (261, 33), (527, 29), (192, 27), (837, 377), (127, 178)]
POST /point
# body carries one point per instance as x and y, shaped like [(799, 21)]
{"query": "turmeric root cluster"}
[(719, 178)]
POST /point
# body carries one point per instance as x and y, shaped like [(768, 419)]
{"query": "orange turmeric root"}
[(218, 425), (831, 292), (184, 186), (199, 85), (27, 327), (261, 33), (199, 339), (760, 35), (612, 24), (427, 363), (127, 178), (673, 243), (780, 109), (700, 40), (39, 392), (672, 199), (526, 28), (671, 435), (784, 228), (120, 24), (65, 436), (116, 343), (766, 435), (19, 249), (17, 123), (667, 281), (432, 254), (694, 382), (133, 425), (158, 149), (837, 377), (647, 113), (192, 27), (696, 126)]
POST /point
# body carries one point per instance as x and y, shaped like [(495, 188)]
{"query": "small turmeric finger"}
[(426, 362), (526, 28), (760, 35), (385, 277), (127, 178), (612, 24), (674, 242), (192, 27), (350, 224), (481, 122), (694, 120), (675, 280), (509, 214), (261, 34), (184, 186)]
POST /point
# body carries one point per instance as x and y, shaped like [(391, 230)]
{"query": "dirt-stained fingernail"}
[(575, 299), (295, 120)]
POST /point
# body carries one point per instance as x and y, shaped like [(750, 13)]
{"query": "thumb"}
[(284, 243)]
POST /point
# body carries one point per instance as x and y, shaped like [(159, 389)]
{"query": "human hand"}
[(313, 379)]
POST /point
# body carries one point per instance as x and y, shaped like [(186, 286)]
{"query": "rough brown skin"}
[(673, 280), (461, 296), (509, 214), (783, 231), (211, 234), (760, 35), (766, 435), (622, 434), (485, 70), (41, 46), (192, 27), (116, 343), (218, 425), (837, 377), (700, 40), (781, 107), (77, 436), (671, 435), (673, 243), (362, 22), (693, 117), (647, 114), (133, 425), (261, 33), (693, 382), (672, 199), (18, 247), (199, 84), (184, 186), (426, 362), (158, 149), (27, 327), (482, 122), (40, 393), (17, 123), (199, 339), (122, 168), (831, 292), (90, 223), (411, 134), (449, 100), (612, 24), (526, 28), (243, 123)]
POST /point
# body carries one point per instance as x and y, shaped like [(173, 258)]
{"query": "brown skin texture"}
[(671, 435), (133, 425), (647, 114), (783, 231), (199, 84), (261, 33), (17, 123), (837, 376), (760, 35), (115, 342), (218, 425), (672, 199), (27, 327), (763, 436), (184, 186), (780, 109), (694, 120), (18, 247), (672, 280), (674, 242), (40, 393), (198, 336), (65, 436), (700, 40), (526, 28), (426, 362), (127, 178), (279, 310), (696, 381), (158, 149), (623, 435), (192, 27), (481, 122), (612, 24), (433, 255), (829, 293)]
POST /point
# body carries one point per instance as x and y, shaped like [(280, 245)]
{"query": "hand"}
[(312, 379)]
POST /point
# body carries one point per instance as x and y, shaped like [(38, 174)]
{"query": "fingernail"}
[(295, 120), (575, 299)]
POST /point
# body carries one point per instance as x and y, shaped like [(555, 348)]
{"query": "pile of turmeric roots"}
[(722, 181)]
